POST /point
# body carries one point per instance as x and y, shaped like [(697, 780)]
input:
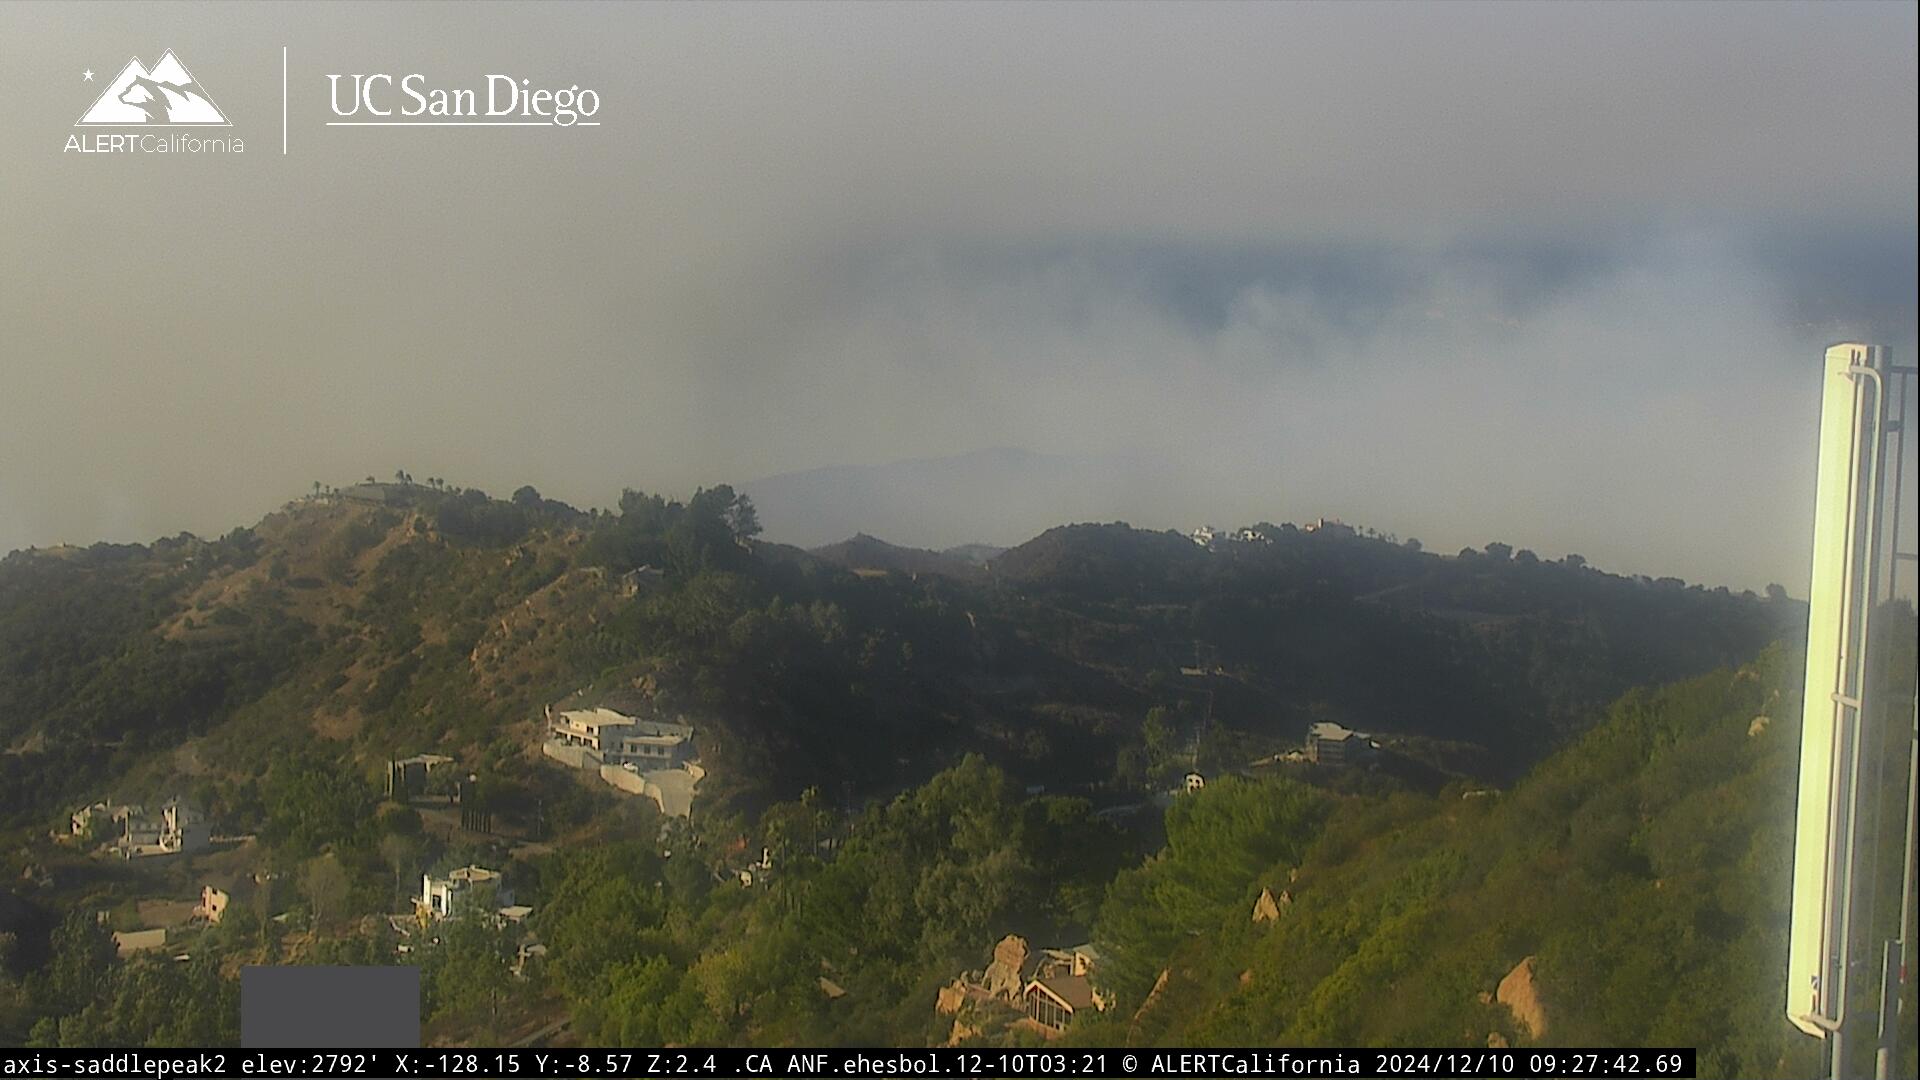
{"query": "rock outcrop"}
[(1002, 977), (1264, 909), (1521, 995)]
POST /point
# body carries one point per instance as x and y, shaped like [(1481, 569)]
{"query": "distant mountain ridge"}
[(861, 553), (1000, 496)]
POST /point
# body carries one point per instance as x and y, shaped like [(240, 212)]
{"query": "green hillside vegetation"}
[(435, 618), (931, 760), (1646, 867)]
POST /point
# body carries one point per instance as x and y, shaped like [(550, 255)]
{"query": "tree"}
[(82, 956), (1161, 737), (465, 974), (1500, 551), (402, 855), (311, 802), (1575, 561), (744, 519), (1777, 592), (326, 885), (1413, 543), (527, 497)]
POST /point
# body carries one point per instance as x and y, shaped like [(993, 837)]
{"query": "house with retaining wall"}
[(654, 758), (614, 738)]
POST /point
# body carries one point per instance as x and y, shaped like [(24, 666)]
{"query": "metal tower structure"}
[(1854, 566)]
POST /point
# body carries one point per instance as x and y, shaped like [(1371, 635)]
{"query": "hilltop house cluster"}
[(654, 758), (175, 828), (1215, 539), (1211, 538)]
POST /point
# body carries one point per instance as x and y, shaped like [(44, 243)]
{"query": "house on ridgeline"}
[(373, 494), (1327, 526), (1331, 744)]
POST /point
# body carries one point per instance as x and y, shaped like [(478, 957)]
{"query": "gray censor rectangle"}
[(329, 1008)]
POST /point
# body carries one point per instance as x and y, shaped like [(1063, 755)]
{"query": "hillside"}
[(1641, 877), (880, 735), (393, 619)]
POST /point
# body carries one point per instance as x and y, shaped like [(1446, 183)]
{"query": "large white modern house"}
[(614, 738), (654, 758)]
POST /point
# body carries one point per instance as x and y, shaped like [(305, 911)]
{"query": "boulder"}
[(1264, 909), (1521, 995), (1153, 996), (950, 999), (1009, 961)]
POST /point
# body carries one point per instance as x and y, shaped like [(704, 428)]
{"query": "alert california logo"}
[(151, 111)]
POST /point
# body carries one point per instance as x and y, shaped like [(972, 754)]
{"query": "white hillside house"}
[(614, 738), (445, 897)]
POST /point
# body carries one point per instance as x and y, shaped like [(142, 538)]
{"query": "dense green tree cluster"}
[(1218, 841), (659, 948), (1645, 868), (709, 530), (86, 998)]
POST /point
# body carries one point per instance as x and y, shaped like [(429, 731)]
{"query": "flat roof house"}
[(128, 942), (407, 777)]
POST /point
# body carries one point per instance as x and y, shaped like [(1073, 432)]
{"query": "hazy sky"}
[(1553, 274)]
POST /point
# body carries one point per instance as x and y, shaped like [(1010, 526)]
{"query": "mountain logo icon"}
[(165, 95)]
